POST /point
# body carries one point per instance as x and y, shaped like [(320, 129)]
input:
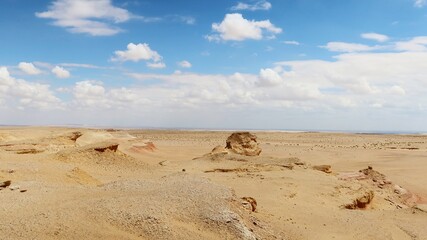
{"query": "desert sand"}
[(69, 183)]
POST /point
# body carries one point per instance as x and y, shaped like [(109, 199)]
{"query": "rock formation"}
[(243, 143)]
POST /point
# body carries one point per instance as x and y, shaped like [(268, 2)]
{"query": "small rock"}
[(361, 202), (387, 181), (323, 168), (399, 190), (5, 184), (251, 201), (13, 188), (23, 190), (10, 171)]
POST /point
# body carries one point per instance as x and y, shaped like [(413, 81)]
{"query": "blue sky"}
[(288, 64)]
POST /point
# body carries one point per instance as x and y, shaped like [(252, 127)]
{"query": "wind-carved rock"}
[(243, 143)]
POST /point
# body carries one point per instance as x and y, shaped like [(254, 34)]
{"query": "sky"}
[(354, 65)]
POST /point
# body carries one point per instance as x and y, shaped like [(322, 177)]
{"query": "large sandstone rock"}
[(243, 143)]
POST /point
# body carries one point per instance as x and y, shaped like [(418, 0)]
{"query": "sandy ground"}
[(145, 184)]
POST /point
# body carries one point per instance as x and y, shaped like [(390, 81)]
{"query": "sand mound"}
[(44, 144), (94, 137), (82, 177), (104, 153), (243, 143), (180, 207), (143, 147)]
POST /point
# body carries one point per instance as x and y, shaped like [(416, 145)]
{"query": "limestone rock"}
[(361, 202), (219, 150), (323, 168), (243, 143)]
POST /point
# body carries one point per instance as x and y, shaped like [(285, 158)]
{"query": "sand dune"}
[(145, 184)]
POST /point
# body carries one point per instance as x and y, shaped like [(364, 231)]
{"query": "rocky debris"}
[(400, 190), (323, 168), (243, 143), (250, 201), (144, 147), (421, 207), (377, 178), (347, 176), (219, 213), (29, 151), (102, 147), (75, 135), (164, 163), (5, 184), (219, 150), (228, 170), (13, 188), (361, 202)]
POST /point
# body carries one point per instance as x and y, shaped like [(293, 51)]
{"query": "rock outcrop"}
[(361, 202), (323, 168), (243, 143)]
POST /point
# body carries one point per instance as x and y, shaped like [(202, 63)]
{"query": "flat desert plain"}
[(69, 183)]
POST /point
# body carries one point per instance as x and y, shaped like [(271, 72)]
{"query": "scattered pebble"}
[(13, 188)]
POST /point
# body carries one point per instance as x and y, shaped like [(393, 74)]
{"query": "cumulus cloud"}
[(420, 3), (348, 47), (29, 68), (23, 94), (93, 94), (185, 64), (93, 17), (138, 52), (90, 94), (260, 5), (375, 36), (60, 72), (269, 78), (236, 28)]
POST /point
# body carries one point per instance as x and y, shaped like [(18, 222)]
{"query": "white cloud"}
[(5, 78), (291, 43), (269, 78), (80, 65), (416, 44), (94, 17), (348, 47), (60, 72), (185, 19), (23, 94), (260, 5), (420, 3), (92, 94), (236, 28), (156, 65), (375, 36), (29, 68), (185, 64), (136, 53)]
